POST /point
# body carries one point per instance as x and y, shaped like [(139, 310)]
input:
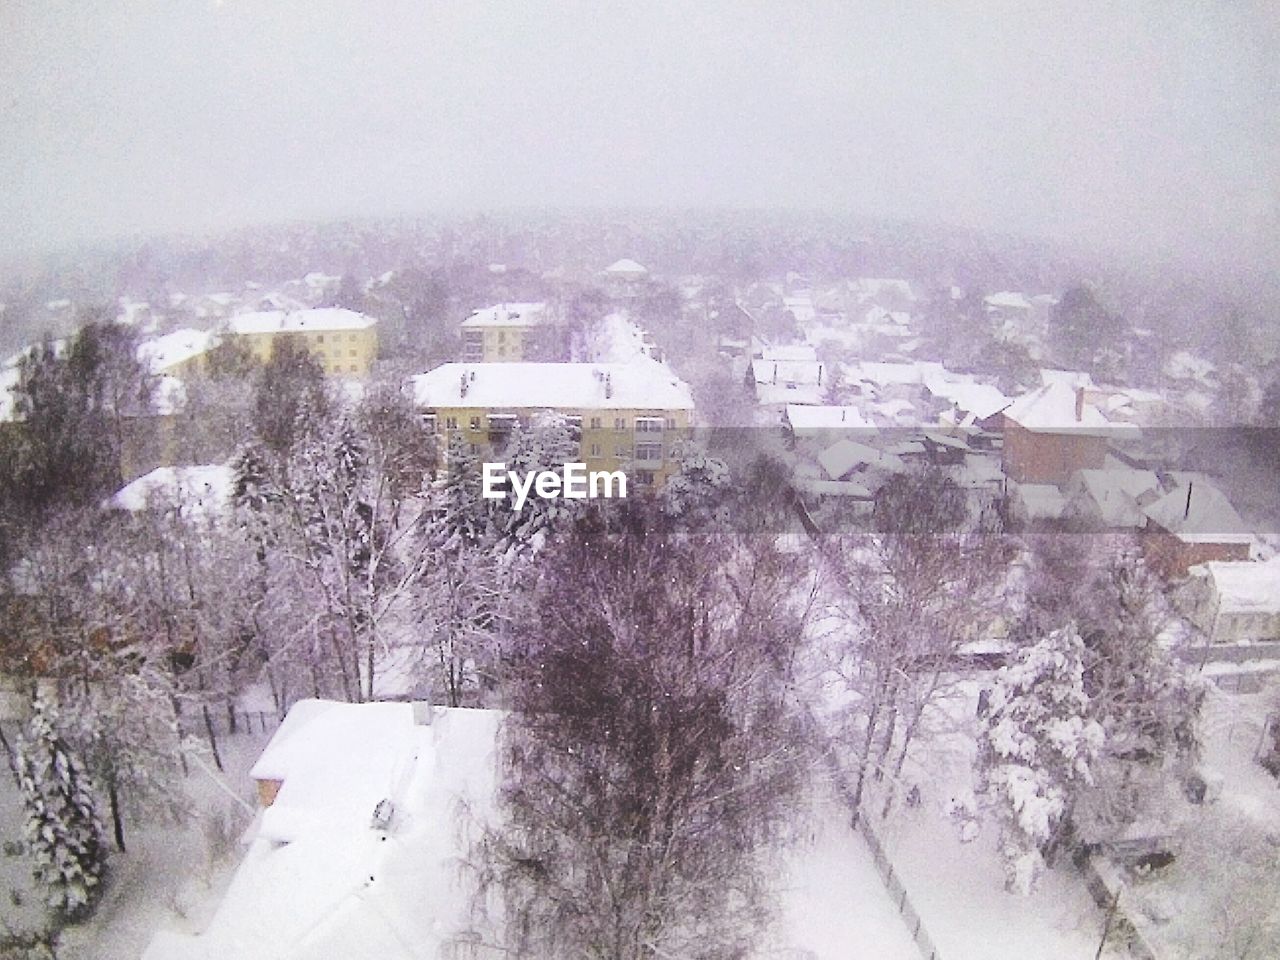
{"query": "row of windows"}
[(337, 337), (643, 425)]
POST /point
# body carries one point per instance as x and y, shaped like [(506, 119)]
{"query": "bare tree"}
[(652, 754)]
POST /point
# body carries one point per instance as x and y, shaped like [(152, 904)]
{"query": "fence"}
[(897, 892), (246, 721)]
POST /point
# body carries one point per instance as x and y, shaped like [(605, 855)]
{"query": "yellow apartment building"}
[(630, 415), (345, 342), (505, 333)]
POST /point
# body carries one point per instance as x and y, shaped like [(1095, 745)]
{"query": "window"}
[(351, 337), (475, 423), (502, 336), (320, 339), (619, 423), (595, 423), (671, 423), (502, 351), (353, 368), (595, 450), (622, 452), (649, 452), (451, 423), (648, 424), (429, 422), (353, 353), (644, 478)]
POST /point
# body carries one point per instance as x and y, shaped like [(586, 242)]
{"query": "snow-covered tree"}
[(698, 493), (1036, 748), (548, 443), (62, 825)]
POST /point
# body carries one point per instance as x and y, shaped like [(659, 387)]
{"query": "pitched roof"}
[(1052, 409), (625, 266), (166, 352), (638, 384), (843, 455), (508, 315), (200, 490), (1198, 512)]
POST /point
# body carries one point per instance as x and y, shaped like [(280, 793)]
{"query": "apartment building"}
[(505, 333), (345, 342), (629, 414)]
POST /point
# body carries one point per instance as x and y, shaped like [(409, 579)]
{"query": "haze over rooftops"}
[(299, 321), (508, 315), (638, 384)]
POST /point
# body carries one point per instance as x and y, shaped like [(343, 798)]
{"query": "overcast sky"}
[(1143, 124)]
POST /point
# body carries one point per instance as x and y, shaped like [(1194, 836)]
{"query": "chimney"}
[(608, 386), (1079, 403), (819, 374), (1187, 512), (775, 371)]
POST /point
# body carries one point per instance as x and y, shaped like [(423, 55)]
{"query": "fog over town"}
[(622, 481)]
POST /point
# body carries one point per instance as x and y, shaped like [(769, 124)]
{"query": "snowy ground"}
[(1219, 898), (833, 905), (172, 875)]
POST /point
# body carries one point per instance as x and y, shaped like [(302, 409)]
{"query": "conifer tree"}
[(62, 825)]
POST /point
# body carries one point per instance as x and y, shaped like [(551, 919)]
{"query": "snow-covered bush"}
[(62, 825), (1036, 746)]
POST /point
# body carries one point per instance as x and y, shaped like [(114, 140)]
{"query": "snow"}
[(1072, 378), (1037, 501), (164, 353), (508, 315), (1052, 409), (982, 400), (834, 905), (1008, 300), (626, 268), (341, 887), (617, 339), (197, 491), (844, 455), (1245, 586), (783, 372), (279, 321), (640, 384), (789, 351), (1115, 494), (826, 418), (1210, 519)]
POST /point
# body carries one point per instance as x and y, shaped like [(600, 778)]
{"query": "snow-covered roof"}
[(298, 321), (980, 399), (1072, 378), (1008, 299), (201, 490), (1185, 365), (834, 488), (844, 455), (626, 267), (1038, 501), (1116, 493), (803, 417), (320, 879), (1244, 586), (641, 384), (888, 374), (164, 353), (1052, 409), (786, 371), (867, 288), (1198, 512), (789, 351), (508, 315)]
